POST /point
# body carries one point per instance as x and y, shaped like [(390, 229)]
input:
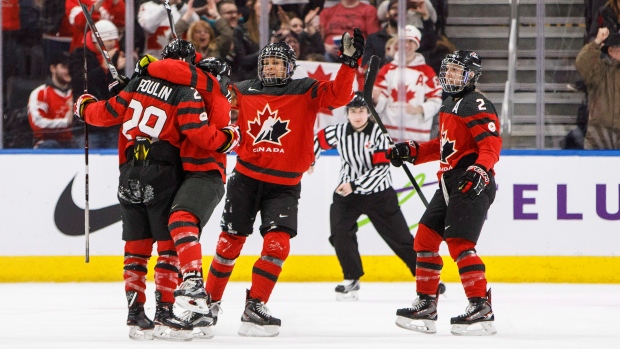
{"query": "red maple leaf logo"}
[(267, 127), (320, 75), (408, 95)]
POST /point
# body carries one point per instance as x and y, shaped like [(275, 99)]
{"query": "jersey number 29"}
[(143, 119)]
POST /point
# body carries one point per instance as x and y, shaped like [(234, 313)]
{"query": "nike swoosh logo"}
[(252, 89), (283, 215), (69, 218)]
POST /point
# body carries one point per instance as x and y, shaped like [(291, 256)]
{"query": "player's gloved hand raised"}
[(80, 105), (407, 151), (474, 180), (351, 49), (118, 85), (233, 139), (142, 65)]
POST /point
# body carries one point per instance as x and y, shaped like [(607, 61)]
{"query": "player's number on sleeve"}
[(142, 119), (481, 104)]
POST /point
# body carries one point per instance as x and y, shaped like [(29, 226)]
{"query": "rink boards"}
[(555, 219)]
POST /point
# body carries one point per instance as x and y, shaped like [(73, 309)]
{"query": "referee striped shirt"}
[(362, 154)]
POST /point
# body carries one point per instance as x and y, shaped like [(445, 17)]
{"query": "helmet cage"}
[(471, 71), (283, 52)]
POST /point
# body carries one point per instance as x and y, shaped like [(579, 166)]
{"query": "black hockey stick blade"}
[(104, 52), (369, 82), (170, 19)]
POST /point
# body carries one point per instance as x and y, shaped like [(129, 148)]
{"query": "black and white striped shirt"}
[(362, 155)]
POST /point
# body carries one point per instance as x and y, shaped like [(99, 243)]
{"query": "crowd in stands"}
[(52, 40)]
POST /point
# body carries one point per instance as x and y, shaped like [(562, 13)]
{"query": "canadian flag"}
[(324, 71)]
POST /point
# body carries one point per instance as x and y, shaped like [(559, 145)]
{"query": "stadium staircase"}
[(483, 26)]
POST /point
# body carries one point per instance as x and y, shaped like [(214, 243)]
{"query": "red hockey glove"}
[(407, 151), (233, 139), (474, 180), (351, 49), (80, 105)]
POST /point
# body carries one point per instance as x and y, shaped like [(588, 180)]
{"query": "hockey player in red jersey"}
[(159, 121), (467, 148), (276, 118)]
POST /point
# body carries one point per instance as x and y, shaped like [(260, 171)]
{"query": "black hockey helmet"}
[(279, 50), (182, 49), (471, 66), (357, 101), (215, 66)]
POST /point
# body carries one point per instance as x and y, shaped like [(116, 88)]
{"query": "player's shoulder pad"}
[(471, 104)]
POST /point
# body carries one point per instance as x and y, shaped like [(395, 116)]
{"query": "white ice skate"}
[(348, 291), (192, 296), (421, 317), (478, 318)]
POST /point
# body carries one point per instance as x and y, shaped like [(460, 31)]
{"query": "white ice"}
[(530, 316)]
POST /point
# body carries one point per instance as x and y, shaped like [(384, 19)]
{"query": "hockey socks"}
[(137, 254), (185, 232), (226, 252), (166, 270), (267, 269), (471, 267), (429, 262)]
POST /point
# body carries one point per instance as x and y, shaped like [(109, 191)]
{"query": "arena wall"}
[(555, 219)]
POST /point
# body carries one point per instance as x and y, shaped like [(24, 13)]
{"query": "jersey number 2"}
[(142, 119)]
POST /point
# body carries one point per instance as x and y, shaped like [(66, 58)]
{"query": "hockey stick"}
[(170, 19), (371, 76), (104, 52), (86, 179)]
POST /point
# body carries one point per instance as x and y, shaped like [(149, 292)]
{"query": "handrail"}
[(509, 91)]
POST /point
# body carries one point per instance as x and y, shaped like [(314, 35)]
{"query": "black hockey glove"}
[(351, 49), (142, 65), (407, 151), (118, 85), (474, 180)]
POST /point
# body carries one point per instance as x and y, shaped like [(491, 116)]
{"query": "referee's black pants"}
[(385, 215)]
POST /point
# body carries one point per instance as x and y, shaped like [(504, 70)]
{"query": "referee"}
[(365, 187)]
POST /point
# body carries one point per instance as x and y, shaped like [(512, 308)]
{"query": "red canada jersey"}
[(50, 113), (216, 106), (277, 124), (155, 109), (111, 10), (469, 133)]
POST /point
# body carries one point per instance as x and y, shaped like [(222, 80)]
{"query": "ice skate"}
[(168, 326), (478, 318), (191, 294), (140, 326), (421, 317), (348, 290), (202, 324), (256, 320)]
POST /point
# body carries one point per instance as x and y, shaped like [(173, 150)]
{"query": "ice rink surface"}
[(531, 316)]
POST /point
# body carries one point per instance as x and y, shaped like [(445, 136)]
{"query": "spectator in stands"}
[(246, 38), (421, 19), (57, 31), (29, 40), (344, 17), (10, 28), (202, 36), (224, 27), (601, 73), (153, 19), (601, 13), (50, 107), (422, 94), (98, 76), (112, 10)]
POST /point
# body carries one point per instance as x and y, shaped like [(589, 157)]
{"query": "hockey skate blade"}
[(197, 305), (201, 333), (347, 297), (483, 328), (168, 334), (249, 329), (427, 327), (138, 334)]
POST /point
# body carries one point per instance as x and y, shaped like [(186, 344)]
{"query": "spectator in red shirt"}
[(344, 17), (112, 10), (50, 107)]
